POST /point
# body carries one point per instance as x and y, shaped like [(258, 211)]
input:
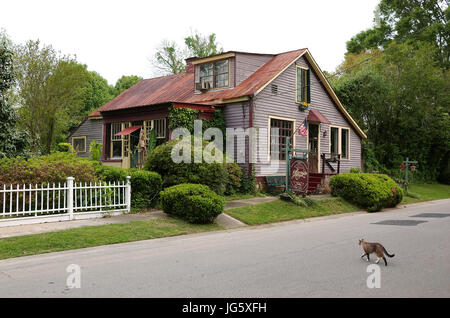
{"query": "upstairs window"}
[(214, 75), (303, 91), (340, 142)]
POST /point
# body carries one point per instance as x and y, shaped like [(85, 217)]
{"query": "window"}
[(79, 144), (160, 126), (334, 141), (340, 142), (344, 143), (303, 93), (116, 141), (214, 75), (285, 129)]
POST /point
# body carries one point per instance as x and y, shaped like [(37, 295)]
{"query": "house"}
[(252, 90)]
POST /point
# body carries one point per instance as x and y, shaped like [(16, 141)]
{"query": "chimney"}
[(189, 66)]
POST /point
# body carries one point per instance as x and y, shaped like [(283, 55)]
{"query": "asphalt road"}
[(318, 258)]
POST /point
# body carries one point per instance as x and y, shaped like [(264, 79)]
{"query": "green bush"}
[(52, 168), (369, 191), (145, 185), (355, 170), (65, 147), (234, 176), (213, 175), (195, 203)]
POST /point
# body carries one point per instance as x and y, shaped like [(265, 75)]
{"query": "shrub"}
[(159, 160), (145, 185), (195, 203), (355, 170), (234, 175), (52, 168), (65, 147), (95, 149), (369, 191)]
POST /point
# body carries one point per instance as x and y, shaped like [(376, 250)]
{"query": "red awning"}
[(317, 116), (128, 130)]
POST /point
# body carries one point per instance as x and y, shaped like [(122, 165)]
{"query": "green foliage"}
[(13, 141), (95, 149), (183, 117), (355, 170), (212, 174), (194, 203), (408, 21), (202, 45), (65, 147), (369, 191), (444, 176), (145, 185), (248, 183), (52, 168), (152, 140), (401, 99), (125, 82), (234, 176)]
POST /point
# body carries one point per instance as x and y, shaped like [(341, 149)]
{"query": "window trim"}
[(293, 120), (340, 140), (304, 103), (214, 72), (79, 137)]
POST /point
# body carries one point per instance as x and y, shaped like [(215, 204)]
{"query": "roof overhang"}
[(213, 58), (315, 115)]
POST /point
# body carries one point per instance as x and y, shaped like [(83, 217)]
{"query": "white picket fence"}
[(22, 204)]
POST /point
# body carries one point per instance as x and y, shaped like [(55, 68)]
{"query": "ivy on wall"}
[(184, 117)]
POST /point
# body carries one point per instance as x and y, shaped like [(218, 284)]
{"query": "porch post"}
[(288, 163)]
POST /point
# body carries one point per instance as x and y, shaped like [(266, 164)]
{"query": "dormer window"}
[(214, 75)]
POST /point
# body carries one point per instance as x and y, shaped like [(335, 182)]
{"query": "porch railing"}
[(67, 201), (328, 159)]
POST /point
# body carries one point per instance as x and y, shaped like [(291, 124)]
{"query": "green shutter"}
[(299, 85), (308, 83)]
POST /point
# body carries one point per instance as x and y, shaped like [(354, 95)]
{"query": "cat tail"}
[(388, 253)]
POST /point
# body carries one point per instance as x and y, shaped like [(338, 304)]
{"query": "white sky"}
[(116, 38)]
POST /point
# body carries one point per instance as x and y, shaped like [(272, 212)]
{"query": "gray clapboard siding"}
[(236, 116), (283, 105), (247, 64), (92, 129)]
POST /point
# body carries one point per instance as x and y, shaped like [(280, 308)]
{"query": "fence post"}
[(128, 194), (70, 197)]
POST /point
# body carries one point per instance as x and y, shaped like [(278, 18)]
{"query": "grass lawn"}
[(97, 235), (239, 196), (427, 192), (279, 210)]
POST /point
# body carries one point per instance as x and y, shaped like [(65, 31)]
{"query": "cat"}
[(376, 248)]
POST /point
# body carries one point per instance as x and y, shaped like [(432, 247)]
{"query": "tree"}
[(169, 57), (13, 142), (401, 99), (202, 45), (411, 22), (125, 82), (50, 90)]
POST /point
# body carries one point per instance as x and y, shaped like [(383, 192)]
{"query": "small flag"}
[(302, 130)]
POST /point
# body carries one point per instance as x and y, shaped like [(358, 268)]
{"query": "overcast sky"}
[(117, 38)]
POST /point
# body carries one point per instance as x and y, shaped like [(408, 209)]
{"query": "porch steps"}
[(314, 180)]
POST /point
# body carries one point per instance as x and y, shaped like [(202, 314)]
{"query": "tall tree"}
[(411, 22), (202, 45), (50, 90), (169, 57), (125, 82), (13, 142)]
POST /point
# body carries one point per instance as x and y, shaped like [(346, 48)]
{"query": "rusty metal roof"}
[(180, 87)]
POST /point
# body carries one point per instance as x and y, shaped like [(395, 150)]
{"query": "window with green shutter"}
[(303, 91)]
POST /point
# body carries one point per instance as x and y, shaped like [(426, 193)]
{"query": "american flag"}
[(302, 130)]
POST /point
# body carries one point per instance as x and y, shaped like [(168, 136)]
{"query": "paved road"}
[(317, 258)]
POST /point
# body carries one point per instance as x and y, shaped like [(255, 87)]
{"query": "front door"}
[(313, 147)]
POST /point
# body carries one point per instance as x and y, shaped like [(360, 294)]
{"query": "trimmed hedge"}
[(195, 203), (145, 185), (369, 191)]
